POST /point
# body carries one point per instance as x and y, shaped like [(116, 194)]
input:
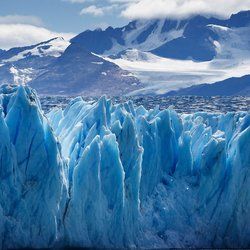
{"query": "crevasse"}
[(104, 175)]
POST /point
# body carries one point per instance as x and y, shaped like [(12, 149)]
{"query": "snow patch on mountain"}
[(234, 43), (138, 38), (53, 48), (141, 34), (21, 76)]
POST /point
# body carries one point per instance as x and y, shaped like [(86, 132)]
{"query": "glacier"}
[(105, 175)]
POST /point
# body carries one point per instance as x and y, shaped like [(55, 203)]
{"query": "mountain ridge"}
[(169, 37), (231, 86)]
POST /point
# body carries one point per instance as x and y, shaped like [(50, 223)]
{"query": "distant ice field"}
[(181, 104)]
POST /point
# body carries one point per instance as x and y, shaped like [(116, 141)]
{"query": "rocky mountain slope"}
[(52, 69), (79, 71)]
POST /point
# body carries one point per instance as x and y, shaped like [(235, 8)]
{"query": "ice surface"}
[(33, 184), (161, 75), (104, 175), (181, 104)]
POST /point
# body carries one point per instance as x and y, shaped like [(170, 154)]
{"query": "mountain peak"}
[(240, 19)]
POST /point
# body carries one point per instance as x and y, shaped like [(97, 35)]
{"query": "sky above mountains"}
[(24, 22)]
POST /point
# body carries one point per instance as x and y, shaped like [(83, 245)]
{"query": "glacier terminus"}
[(120, 176)]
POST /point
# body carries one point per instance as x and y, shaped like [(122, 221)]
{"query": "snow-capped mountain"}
[(167, 55), (200, 41), (51, 48), (52, 70), (231, 58), (20, 65), (180, 39), (141, 35)]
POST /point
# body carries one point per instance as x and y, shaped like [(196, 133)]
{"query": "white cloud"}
[(17, 35), (98, 11), (92, 10), (182, 8), (18, 19)]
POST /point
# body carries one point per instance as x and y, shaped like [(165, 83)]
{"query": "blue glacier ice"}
[(105, 175)]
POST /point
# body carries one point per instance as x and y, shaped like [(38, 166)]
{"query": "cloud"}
[(17, 35), (92, 10), (182, 8), (98, 11), (18, 19)]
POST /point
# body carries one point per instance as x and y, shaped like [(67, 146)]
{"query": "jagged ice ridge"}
[(104, 175)]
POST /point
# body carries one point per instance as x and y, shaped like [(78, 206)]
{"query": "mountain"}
[(240, 19), (51, 48), (1, 52), (52, 69), (78, 71), (233, 86), (189, 38), (20, 65), (142, 35), (199, 39), (196, 43), (210, 50)]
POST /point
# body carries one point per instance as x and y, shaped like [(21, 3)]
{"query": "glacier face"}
[(33, 183), (104, 175)]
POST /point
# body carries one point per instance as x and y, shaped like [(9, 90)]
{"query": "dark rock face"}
[(78, 71)]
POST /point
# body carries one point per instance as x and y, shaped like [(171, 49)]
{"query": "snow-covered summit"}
[(21, 65), (142, 35), (51, 48), (179, 39)]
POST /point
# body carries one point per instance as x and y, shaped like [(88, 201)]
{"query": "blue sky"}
[(62, 15), (25, 22)]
